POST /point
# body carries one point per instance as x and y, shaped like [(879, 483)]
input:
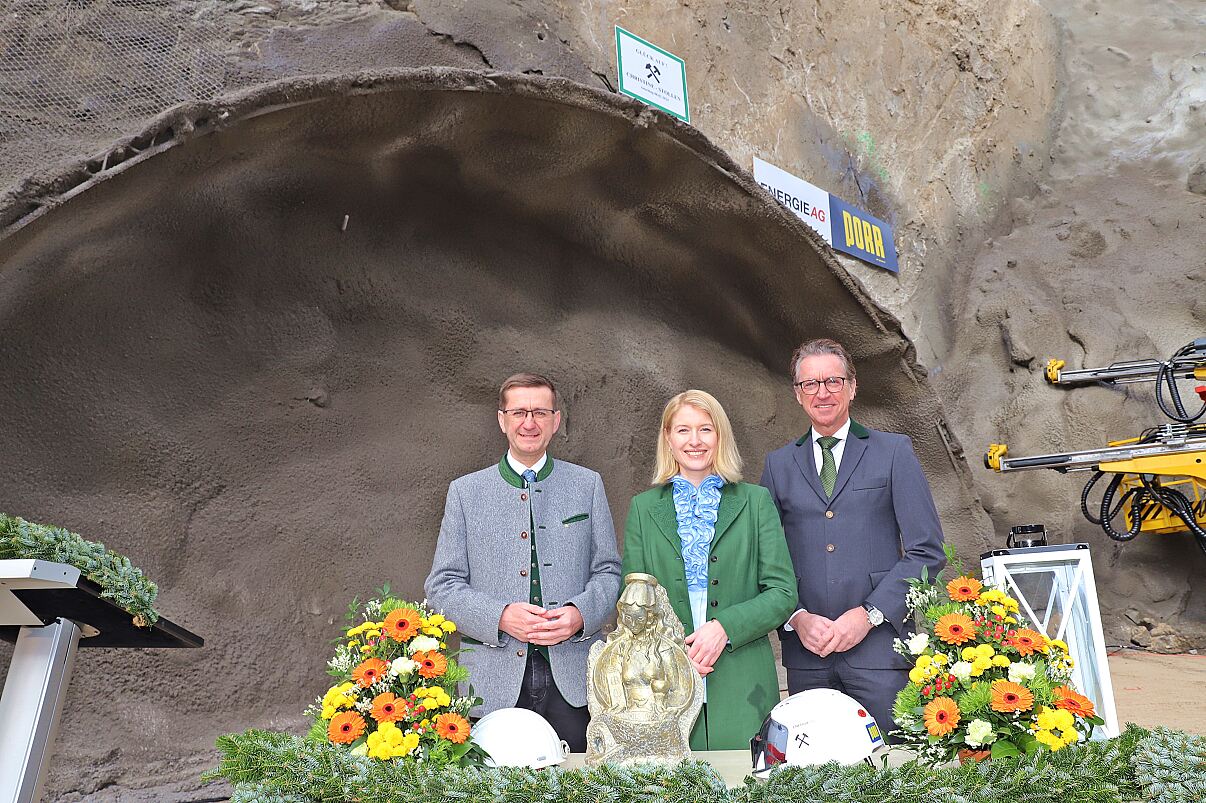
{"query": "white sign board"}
[(651, 74), (809, 202)]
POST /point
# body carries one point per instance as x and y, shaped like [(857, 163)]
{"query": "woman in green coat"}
[(715, 543)]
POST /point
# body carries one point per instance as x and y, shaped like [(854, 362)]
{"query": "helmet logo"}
[(801, 739)]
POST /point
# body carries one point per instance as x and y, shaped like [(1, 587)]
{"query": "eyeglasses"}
[(519, 414), (810, 387)]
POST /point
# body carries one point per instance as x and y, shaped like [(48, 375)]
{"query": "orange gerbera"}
[(1071, 700), (346, 727), (1027, 641), (431, 663), (402, 624), (370, 671), (964, 589), (1008, 696), (941, 716), (453, 727), (387, 708), (955, 628)]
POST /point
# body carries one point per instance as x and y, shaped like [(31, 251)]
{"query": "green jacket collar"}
[(856, 429), (512, 478)]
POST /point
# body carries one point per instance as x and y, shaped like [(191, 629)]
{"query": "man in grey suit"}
[(859, 520), (527, 566)]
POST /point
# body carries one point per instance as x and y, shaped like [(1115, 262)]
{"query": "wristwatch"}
[(874, 615)]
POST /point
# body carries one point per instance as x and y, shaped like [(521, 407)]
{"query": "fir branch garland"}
[(1171, 766), (1162, 766), (120, 582)]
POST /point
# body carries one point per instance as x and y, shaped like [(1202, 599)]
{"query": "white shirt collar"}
[(842, 433), (519, 468)]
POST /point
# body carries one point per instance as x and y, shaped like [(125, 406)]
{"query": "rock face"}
[(251, 351)]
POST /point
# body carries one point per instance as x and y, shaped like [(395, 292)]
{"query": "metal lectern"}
[(49, 611)]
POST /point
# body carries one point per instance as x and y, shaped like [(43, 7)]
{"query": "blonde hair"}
[(728, 459)]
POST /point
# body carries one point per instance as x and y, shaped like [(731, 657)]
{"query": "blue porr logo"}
[(873, 732)]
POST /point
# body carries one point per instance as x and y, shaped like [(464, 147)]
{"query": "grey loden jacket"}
[(482, 563)]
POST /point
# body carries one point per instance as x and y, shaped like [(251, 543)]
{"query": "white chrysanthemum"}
[(1020, 671), (420, 643), (961, 670), (918, 643), (403, 667), (979, 733)]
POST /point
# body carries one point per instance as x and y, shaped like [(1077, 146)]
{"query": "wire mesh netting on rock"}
[(80, 72)]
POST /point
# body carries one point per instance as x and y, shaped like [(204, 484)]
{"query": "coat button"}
[(714, 558), (829, 514), (715, 604), (715, 582), (829, 547), (523, 535), (524, 572), (519, 653), (523, 497)]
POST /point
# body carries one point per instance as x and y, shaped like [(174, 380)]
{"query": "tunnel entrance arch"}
[(251, 345)]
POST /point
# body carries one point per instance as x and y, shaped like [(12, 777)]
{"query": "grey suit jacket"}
[(481, 565), (879, 528)]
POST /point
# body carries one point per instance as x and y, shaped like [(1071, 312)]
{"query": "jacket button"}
[(829, 514), (715, 582), (523, 497), (714, 558), (524, 572), (829, 547), (519, 653), (523, 535), (715, 604)]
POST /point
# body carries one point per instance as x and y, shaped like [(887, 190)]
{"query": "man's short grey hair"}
[(820, 347)]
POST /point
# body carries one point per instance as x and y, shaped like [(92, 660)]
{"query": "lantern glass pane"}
[(1054, 592)]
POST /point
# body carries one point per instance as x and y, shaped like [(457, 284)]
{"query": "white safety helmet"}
[(517, 737), (814, 727)]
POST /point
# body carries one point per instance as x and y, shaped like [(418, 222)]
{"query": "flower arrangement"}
[(395, 695), (981, 680)]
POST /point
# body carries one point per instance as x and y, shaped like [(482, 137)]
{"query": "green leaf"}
[(1004, 749)]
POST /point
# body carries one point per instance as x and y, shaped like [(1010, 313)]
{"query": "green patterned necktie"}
[(828, 466)]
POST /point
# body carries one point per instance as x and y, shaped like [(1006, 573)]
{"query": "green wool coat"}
[(751, 591)]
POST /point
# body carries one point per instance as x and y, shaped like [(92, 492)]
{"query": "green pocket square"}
[(576, 519)]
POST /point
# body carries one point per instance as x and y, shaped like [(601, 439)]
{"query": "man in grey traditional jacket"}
[(527, 566)]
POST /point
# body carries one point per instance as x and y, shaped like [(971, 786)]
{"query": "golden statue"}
[(643, 693)]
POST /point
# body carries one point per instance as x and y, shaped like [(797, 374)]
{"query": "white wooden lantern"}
[(1057, 593)]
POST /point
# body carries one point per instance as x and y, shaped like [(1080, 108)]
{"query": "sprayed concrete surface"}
[(263, 408)]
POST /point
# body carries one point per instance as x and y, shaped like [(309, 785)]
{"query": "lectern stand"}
[(49, 611)]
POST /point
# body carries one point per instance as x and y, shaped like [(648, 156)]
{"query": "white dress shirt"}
[(818, 457), (838, 450), (519, 468)]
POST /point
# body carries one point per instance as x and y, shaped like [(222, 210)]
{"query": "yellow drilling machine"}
[(1157, 481)]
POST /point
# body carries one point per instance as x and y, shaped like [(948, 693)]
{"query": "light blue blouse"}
[(696, 510)]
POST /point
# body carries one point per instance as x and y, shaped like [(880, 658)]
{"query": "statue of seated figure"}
[(643, 693)]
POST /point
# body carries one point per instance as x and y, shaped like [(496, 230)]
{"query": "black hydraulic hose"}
[(1084, 497), (1165, 377), (1107, 515), (1179, 504)]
